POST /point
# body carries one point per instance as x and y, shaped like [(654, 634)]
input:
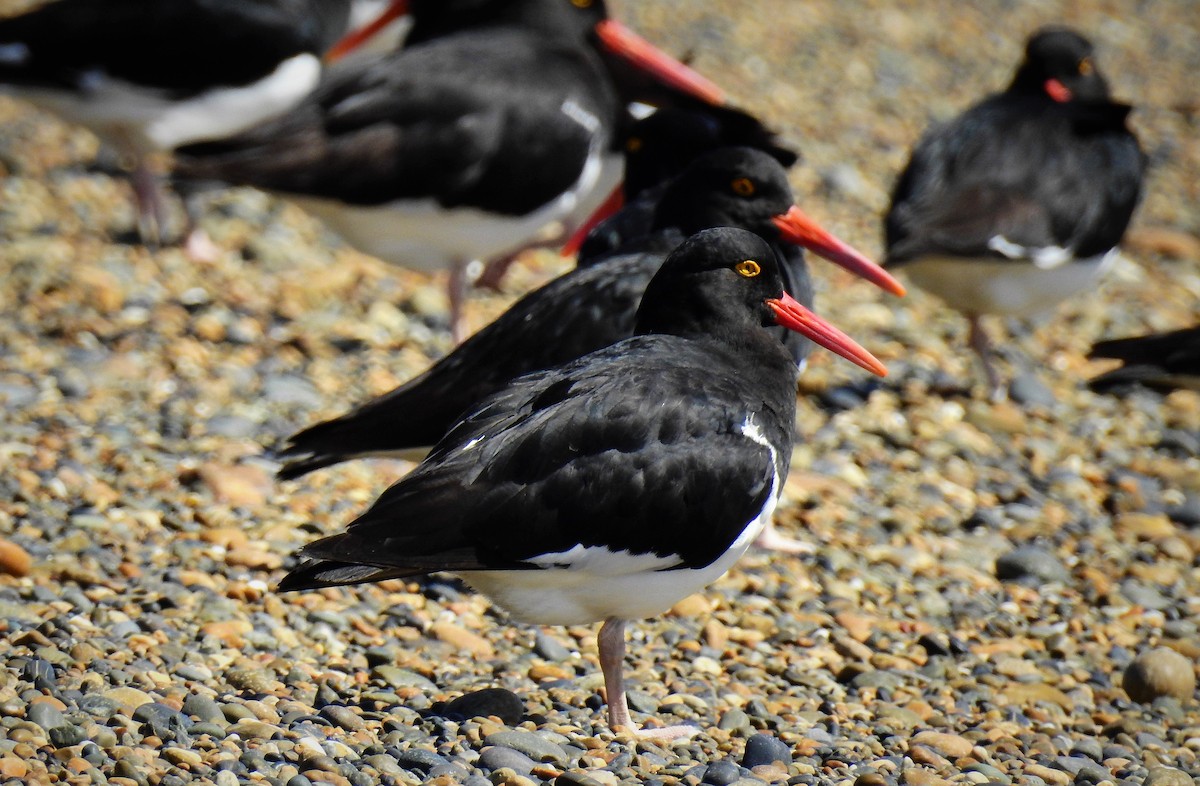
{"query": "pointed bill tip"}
[(796, 226), (794, 316)]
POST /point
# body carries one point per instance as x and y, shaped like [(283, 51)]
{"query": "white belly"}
[(975, 285), (607, 587), (421, 234), (145, 120)]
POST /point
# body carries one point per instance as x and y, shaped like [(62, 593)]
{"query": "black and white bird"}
[(1020, 201), (584, 310), (458, 149), (609, 488), (1164, 361), (148, 76)]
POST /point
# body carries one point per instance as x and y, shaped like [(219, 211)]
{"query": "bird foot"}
[(771, 540), (680, 732), (200, 248)]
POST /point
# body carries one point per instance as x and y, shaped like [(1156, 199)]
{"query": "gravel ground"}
[(999, 593)]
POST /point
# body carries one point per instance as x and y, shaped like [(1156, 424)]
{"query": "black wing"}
[(179, 46), (577, 313), (1161, 360), (412, 125), (629, 445)]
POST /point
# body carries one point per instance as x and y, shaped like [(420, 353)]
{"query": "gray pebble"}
[(67, 735), (45, 715), (499, 757), (1028, 390), (528, 743), (204, 708), (342, 716), (502, 703), (765, 749), (721, 773), (1031, 565), (550, 648)]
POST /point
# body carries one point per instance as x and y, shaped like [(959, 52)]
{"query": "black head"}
[(733, 187), (746, 188), (726, 283), (1059, 64), (659, 147)]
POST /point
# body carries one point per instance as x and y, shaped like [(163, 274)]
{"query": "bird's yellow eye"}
[(742, 186), (1086, 67), (582, 3), (748, 268), (633, 144)]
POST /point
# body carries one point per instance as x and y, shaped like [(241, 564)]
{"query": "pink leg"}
[(611, 643), (459, 283), (771, 539), (151, 211), (983, 347)]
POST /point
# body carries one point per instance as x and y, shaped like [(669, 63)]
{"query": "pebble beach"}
[(1001, 593)]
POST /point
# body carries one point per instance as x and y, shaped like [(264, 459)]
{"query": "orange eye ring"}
[(633, 144), (742, 186), (1086, 67), (748, 268), (582, 3)]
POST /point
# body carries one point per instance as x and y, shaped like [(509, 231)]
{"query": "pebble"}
[(1159, 672), (14, 560), (1032, 565), (765, 749), (528, 743), (497, 702)]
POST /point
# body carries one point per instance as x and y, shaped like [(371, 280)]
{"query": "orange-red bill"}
[(795, 226), (622, 42), (614, 202), (356, 38), (792, 315)]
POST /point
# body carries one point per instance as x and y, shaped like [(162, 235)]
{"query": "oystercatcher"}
[(609, 488), (583, 310), (1164, 361), (151, 75), (459, 149), (1021, 200)]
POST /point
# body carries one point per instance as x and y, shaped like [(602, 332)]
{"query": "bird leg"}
[(151, 212), (772, 540), (611, 643), (460, 281), (983, 348)]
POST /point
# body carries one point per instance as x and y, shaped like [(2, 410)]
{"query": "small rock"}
[(129, 699), (530, 744), (1031, 565), (14, 560), (1028, 390), (241, 485), (765, 749), (463, 639), (499, 757), (502, 703), (721, 773), (1168, 776), (344, 717), (1160, 672), (946, 744)]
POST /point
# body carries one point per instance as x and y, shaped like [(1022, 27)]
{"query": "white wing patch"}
[(1044, 258)]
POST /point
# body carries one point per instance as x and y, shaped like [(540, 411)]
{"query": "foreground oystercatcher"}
[(1020, 201), (609, 488), (584, 310), (1164, 361), (461, 148), (150, 75)]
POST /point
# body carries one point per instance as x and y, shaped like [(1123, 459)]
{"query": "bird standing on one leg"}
[(609, 488), (1020, 201)]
